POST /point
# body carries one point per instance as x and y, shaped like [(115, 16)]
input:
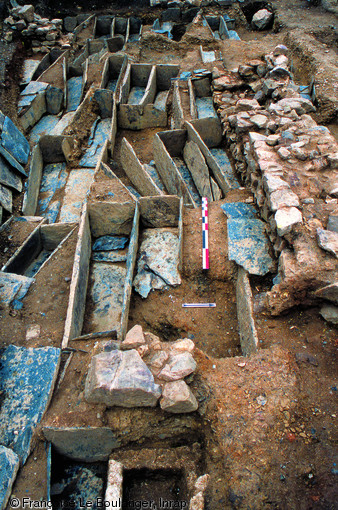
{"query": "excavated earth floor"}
[(267, 423)]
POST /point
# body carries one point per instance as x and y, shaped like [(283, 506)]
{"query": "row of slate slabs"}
[(192, 98), (221, 27), (14, 153), (56, 191), (187, 162), (248, 244), (27, 379)]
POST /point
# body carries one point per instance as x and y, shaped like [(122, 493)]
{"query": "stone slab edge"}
[(131, 260), (246, 324), (211, 162), (30, 200), (22, 248), (79, 282)]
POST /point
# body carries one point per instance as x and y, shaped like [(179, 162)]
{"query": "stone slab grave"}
[(191, 164), (113, 73), (129, 470), (141, 371), (27, 383), (221, 27), (43, 244), (9, 465), (247, 242), (111, 269), (144, 95), (159, 259), (206, 133), (99, 135), (18, 230), (54, 190), (203, 101), (111, 228), (37, 99), (145, 177)]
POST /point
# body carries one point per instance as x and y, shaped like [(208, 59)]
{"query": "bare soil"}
[(267, 423)]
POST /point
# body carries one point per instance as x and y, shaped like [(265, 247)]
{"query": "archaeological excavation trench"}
[(132, 373)]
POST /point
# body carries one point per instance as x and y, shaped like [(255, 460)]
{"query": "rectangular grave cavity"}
[(167, 477), (144, 95)]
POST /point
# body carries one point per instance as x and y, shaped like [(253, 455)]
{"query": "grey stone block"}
[(246, 324), (54, 100)]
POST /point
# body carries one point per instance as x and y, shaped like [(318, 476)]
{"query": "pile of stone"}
[(24, 22), (142, 372), (291, 166)]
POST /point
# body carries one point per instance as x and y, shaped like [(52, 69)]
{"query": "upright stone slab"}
[(246, 324), (198, 168), (54, 100), (9, 465), (121, 378), (14, 141), (161, 211), (8, 177), (27, 378)]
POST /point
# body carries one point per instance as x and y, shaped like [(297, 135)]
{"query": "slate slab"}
[(8, 177), (235, 210), (121, 378), (74, 93), (107, 295), (54, 100), (14, 141), (12, 161), (34, 87), (6, 198), (9, 465), (44, 127), (100, 133), (107, 243), (78, 185), (158, 261), (13, 286), (27, 378), (247, 243), (198, 168), (224, 165)]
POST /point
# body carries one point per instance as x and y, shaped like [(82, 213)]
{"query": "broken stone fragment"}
[(179, 366), (330, 314), (280, 50), (328, 241), (259, 121), (184, 344), (177, 397), (157, 361), (283, 198), (247, 105), (121, 378), (153, 341), (329, 292), (286, 219), (261, 19), (284, 153), (197, 502), (134, 338)]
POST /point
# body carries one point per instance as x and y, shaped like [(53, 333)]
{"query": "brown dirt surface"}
[(45, 303), (12, 237)]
